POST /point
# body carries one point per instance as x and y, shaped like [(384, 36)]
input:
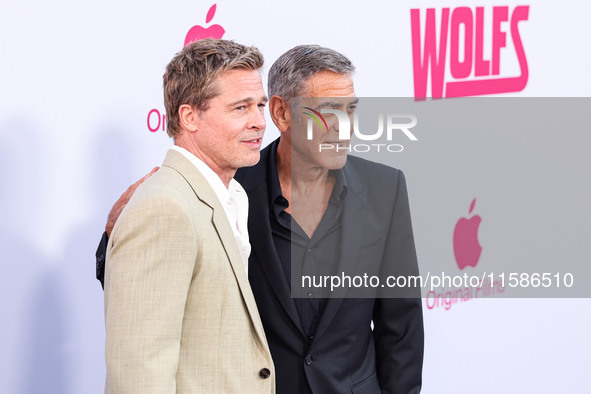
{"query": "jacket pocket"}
[(367, 386)]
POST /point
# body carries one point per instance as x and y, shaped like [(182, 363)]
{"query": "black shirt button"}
[(308, 359), (310, 294), (310, 336), (264, 373)]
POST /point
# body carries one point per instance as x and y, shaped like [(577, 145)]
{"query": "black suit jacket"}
[(344, 355)]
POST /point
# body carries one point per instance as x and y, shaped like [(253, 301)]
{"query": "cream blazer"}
[(180, 316)]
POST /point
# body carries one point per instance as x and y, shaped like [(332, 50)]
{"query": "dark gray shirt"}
[(317, 254)]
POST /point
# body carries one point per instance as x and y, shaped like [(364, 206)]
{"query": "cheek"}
[(229, 132), (300, 129), (321, 136)]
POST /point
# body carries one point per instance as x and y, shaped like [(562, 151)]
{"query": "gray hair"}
[(289, 73)]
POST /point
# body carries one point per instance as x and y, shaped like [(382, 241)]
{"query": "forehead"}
[(234, 81), (329, 84)]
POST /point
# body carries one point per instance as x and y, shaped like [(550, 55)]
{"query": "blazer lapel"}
[(263, 246), (255, 181), (205, 193), (353, 219)]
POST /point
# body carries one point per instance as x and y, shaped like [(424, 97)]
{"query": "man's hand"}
[(122, 202)]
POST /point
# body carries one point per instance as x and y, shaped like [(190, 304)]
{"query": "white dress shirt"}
[(233, 199)]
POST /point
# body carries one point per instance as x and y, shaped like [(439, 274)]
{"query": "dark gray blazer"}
[(344, 355)]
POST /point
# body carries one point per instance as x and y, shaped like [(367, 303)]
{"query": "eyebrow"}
[(332, 103), (247, 100)]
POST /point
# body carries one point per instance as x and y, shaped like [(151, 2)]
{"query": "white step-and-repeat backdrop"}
[(81, 118)]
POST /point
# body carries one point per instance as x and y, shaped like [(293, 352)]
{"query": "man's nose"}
[(257, 120)]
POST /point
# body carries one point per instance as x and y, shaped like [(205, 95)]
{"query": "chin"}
[(335, 163), (250, 159)]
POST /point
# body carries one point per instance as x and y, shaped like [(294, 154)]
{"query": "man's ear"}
[(188, 118), (280, 112)]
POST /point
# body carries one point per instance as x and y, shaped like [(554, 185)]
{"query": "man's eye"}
[(262, 105), (352, 108), (240, 108)]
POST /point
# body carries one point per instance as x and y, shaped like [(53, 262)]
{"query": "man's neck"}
[(305, 175), (310, 187), (307, 184), (189, 145)]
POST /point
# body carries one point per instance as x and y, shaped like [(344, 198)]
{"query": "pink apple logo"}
[(198, 32), (466, 247)]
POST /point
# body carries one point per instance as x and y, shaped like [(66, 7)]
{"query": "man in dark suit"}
[(325, 209)]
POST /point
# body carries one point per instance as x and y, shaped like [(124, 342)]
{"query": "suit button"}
[(310, 336), (308, 359), (264, 373)]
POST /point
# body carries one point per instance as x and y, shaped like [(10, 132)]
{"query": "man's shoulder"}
[(160, 203), (372, 173), (177, 179), (165, 192), (165, 183), (381, 184)]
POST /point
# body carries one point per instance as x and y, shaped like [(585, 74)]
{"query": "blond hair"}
[(190, 76)]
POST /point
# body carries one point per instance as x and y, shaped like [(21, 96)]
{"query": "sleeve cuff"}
[(101, 251)]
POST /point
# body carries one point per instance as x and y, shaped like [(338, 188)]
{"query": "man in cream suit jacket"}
[(179, 312)]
